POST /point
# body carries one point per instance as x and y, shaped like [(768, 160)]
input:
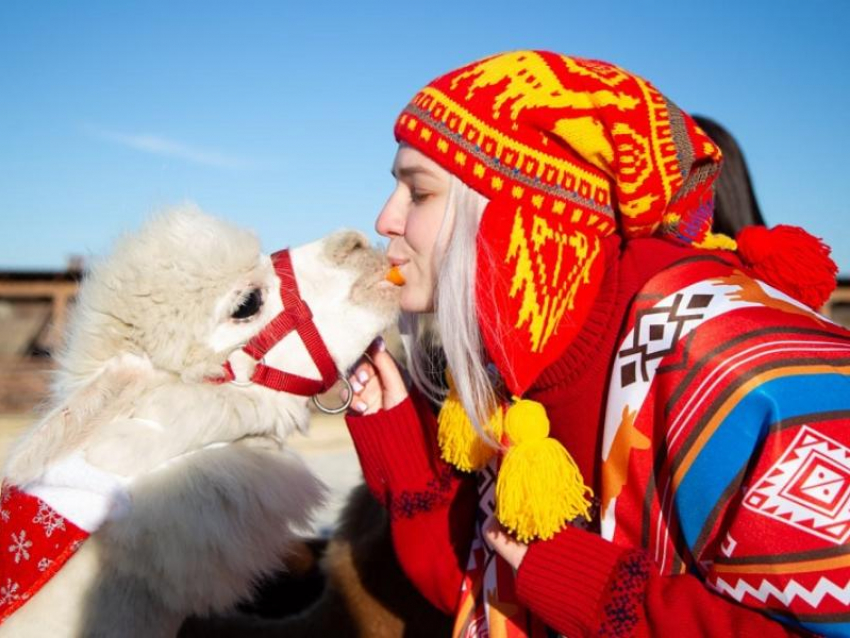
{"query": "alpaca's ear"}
[(62, 429)]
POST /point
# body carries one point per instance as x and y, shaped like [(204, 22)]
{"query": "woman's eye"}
[(418, 196), (249, 306)]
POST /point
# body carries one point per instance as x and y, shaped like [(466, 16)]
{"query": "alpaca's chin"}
[(374, 293)]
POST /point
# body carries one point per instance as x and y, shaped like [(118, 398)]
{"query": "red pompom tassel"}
[(790, 259)]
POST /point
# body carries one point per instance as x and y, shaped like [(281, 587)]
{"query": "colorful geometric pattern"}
[(565, 149), (726, 451), (488, 603), (534, 288), (808, 487), (655, 337), (565, 136)]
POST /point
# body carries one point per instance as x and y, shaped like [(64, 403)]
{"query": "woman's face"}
[(411, 219)]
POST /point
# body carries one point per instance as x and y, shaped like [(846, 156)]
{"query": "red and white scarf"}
[(43, 523), (489, 607)]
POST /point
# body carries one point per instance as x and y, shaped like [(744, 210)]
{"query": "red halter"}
[(296, 315)]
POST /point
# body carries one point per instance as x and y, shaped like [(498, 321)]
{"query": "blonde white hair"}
[(455, 318)]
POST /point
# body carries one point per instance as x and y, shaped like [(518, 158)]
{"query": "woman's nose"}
[(390, 220)]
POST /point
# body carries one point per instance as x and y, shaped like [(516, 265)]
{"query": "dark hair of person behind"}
[(735, 204)]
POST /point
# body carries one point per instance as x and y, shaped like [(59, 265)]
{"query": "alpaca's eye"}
[(249, 306)]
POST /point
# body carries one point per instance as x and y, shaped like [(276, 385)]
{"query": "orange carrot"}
[(394, 276)]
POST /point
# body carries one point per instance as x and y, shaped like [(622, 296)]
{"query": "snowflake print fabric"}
[(35, 541), (20, 545), (49, 519)]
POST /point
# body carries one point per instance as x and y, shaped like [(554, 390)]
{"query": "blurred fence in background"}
[(34, 308)]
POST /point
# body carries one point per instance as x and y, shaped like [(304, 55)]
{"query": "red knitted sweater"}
[(577, 583)]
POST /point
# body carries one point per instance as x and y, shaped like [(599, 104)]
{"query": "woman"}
[(686, 468)]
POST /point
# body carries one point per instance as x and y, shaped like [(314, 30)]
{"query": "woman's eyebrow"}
[(410, 171)]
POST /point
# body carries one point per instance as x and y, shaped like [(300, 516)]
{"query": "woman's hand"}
[(505, 545), (376, 381)]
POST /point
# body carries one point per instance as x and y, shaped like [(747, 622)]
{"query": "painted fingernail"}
[(360, 406), (380, 344), (356, 386), (363, 376)]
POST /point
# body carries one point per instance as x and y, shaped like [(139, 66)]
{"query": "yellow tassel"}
[(460, 443), (539, 487)]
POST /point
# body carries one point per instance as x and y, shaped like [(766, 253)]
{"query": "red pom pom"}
[(790, 259)]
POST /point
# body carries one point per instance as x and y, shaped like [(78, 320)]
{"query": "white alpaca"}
[(183, 484)]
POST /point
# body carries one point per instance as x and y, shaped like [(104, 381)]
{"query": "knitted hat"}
[(565, 149)]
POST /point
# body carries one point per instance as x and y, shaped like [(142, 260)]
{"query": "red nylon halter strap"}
[(296, 315)]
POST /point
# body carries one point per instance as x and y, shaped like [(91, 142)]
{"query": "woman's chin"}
[(413, 300)]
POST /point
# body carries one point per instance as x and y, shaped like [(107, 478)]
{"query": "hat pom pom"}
[(539, 487), (790, 259)]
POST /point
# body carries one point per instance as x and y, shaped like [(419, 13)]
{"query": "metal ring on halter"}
[(245, 384), (341, 408)]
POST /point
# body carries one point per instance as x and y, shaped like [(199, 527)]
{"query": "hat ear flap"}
[(537, 276)]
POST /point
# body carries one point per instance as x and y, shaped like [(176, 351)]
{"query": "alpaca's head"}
[(188, 290)]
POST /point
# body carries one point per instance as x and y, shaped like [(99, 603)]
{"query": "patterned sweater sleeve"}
[(582, 585), (431, 506), (741, 509)]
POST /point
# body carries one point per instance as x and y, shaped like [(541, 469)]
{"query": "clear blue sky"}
[(279, 115)]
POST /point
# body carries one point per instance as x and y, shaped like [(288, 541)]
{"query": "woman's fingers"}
[(376, 381), (395, 390), (367, 390), (501, 541), (360, 375)]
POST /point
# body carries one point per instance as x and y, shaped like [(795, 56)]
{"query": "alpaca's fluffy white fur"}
[(196, 523)]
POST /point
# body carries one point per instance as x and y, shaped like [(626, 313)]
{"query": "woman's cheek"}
[(413, 234), (423, 225)]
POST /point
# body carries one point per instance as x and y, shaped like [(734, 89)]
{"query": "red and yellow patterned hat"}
[(567, 150)]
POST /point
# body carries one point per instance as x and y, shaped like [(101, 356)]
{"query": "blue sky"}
[(278, 115)]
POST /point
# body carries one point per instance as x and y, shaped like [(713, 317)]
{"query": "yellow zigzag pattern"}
[(546, 296)]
